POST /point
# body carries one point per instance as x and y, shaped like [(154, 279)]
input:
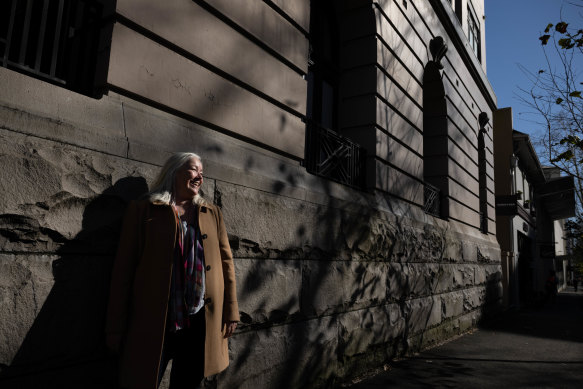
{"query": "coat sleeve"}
[(122, 278), (230, 305)]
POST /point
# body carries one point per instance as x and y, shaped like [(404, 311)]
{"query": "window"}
[(474, 33), (483, 120), (323, 72), (56, 41), (457, 4), (328, 153), (435, 142), (482, 180)]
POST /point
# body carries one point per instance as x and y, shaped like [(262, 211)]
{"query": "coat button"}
[(208, 267), (208, 300), (204, 236)]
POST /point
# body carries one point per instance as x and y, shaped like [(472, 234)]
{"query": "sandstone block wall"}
[(357, 285), (332, 281)]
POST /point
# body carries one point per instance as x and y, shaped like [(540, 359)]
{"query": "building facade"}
[(531, 204), (348, 143), (562, 250)]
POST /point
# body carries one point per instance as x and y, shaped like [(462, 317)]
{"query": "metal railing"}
[(432, 200), (334, 156), (55, 40)]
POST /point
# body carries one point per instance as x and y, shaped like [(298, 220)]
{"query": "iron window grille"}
[(432, 200), (53, 40), (331, 155)]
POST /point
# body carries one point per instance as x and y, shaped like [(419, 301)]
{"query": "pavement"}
[(529, 348)]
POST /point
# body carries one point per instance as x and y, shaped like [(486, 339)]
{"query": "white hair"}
[(163, 187)]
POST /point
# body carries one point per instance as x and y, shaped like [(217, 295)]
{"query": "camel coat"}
[(140, 288)]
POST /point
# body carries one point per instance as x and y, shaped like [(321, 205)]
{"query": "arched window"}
[(435, 138), (482, 172)]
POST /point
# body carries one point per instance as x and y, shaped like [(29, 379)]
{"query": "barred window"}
[(64, 42)]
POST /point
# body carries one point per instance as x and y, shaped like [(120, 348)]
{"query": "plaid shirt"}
[(187, 287)]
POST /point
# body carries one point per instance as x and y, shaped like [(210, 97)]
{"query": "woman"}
[(173, 290)]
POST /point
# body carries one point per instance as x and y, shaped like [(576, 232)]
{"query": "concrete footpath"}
[(530, 348)]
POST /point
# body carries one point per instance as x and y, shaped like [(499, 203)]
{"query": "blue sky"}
[(512, 31)]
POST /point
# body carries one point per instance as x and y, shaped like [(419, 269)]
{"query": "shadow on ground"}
[(527, 348)]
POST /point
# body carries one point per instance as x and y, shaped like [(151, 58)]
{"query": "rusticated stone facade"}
[(59, 226), (356, 287), (333, 280)]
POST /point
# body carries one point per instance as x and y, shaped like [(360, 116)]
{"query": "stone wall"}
[(332, 281), (331, 289), (59, 225)]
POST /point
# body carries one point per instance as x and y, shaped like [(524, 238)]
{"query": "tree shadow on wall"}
[(65, 346), (369, 289), (341, 316)]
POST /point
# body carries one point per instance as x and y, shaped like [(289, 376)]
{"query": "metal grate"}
[(55, 40), (432, 202), (334, 156), (483, 222)]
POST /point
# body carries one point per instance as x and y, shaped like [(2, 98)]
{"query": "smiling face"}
[(188, 180)]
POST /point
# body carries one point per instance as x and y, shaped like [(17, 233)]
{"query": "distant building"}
[(348, 143), (565, 197), (531, 205)]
